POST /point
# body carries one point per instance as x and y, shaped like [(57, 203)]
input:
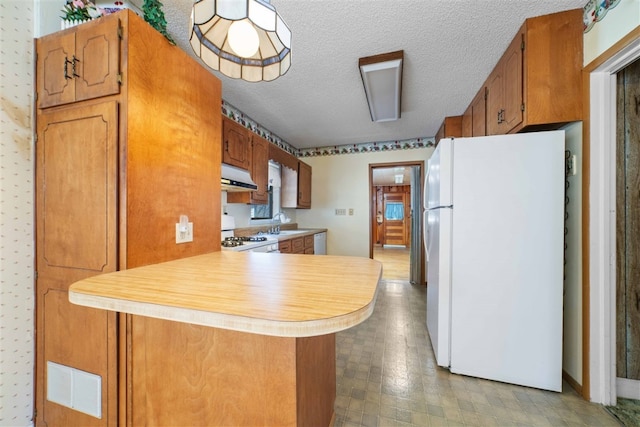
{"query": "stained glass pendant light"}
[(243, 39)]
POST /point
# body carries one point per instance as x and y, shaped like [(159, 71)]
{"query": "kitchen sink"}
[(289, 232)]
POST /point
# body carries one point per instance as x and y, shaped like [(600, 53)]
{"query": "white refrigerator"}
[(494, 230)]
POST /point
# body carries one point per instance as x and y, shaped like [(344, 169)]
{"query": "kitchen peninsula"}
[(234, 338)]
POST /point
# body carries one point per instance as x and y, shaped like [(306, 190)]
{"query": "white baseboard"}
[(629, 389)]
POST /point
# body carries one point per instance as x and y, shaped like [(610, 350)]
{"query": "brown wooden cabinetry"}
[(451, 127), (296, 186), (308, 245), (474, 119), (236, 144), (78, 64), (114, 173), (259, 173), (297, 245), (537, 84), (479, 114), (284, 246), (304, 185), (504, 91)]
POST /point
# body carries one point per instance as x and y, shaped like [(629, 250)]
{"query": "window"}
[(266, 212), (263, 211), (394, 211)]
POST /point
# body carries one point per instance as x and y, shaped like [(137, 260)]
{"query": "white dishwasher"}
[(320, 243)]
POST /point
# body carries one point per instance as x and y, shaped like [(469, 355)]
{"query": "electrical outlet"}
[(184, 236), (341, 211), (351, 211)]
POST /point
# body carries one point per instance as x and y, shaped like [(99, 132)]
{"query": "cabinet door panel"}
[(236, 148), (304, 185), (76, 182), (260, 170), (512, 102), (76, 229), (479, 114), (98, 60), (494, 101), (55, 83)]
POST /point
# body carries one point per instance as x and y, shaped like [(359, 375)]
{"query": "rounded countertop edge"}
[(290, 329)]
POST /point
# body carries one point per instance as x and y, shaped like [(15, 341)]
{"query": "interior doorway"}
[(628, 222), (396, 219), (600, 382)]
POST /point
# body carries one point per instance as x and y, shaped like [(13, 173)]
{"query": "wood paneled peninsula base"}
[(232, 338)]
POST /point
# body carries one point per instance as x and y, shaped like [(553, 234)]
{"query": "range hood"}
[(236, 179)]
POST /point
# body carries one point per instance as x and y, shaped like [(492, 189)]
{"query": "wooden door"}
[(236, 144), (54, 76), (260, 170), (494, 100), (304, 185), (479, 114), (76, 229), (97, 59), (628, 223), (467, 121), (512, 99), (395, 215)]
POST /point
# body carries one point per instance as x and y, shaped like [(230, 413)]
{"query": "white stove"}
[(258, 243)]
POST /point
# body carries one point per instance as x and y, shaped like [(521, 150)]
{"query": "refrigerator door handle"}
[(426, 235)]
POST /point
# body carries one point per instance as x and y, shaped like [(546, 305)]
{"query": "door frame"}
[(418, 215), (599, 382)]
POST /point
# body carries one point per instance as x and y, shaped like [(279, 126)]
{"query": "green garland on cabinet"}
[(154, 15)]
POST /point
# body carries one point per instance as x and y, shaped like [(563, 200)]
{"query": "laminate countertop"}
[(284, 295)]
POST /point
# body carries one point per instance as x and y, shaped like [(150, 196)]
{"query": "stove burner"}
[(245, 239), (232, 242)]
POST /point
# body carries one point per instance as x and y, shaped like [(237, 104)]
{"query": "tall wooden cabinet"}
[(115, 169)]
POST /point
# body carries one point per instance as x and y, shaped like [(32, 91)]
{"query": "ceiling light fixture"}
[(382, 80), (243, 39)]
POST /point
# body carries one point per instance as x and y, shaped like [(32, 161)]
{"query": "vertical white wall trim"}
[(602, 227), (16, 213)]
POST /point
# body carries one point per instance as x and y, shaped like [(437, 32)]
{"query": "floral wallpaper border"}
[(367, 147), (595, 11)]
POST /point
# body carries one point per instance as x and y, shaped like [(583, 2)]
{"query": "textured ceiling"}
[(450, 46)]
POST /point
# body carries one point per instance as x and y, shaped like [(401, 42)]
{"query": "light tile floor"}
[(387, 376)]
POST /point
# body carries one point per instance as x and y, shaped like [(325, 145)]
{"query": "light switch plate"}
[(184, 236)]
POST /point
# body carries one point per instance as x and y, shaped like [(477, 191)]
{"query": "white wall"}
[(572, 324), (342, 182), (16, 213), (617, 23)]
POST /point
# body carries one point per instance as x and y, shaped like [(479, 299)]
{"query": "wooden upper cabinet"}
[(259, 173), (79, 63), (451, 127), (537, 84), (236, 144), (296, 186), (467, 121), (504, 91), (304, 185), (479, 113)]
